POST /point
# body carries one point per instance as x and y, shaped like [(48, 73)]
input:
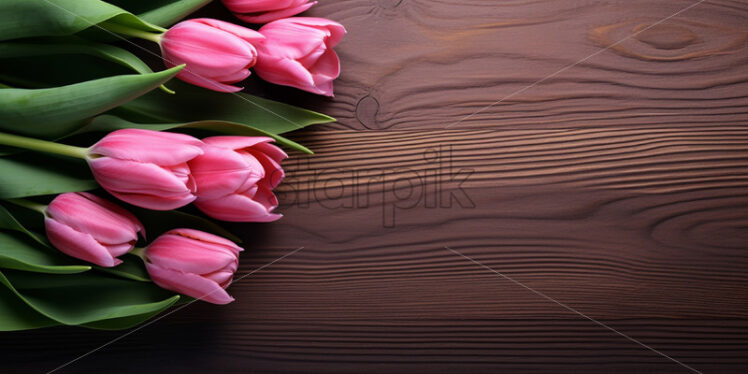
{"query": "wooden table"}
[(512, 186)]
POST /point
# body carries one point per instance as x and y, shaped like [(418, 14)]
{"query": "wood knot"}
[(691, 227), (665, 36), (674, 41), (366, 112)]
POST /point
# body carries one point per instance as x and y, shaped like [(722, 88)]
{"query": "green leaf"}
[(132, 267), (17, 252), (192, 103), (78, 299), (161, 12), (54, 112), (159, 222), (124, 322), (9, 222), (35, 176), (16, 315), (108, 123), (60, 70), (73, 45), (29, 18)]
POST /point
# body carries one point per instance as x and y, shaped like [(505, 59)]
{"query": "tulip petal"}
[(77, 244), (326, 68), (311, 59), (271, 151), (155, 202), (105, 225), (215, 52), (274, 173), (298, 53), (147, 146), (134, 177), (234, 77), (335, 29), (324, 87), (220, 171), (247, 34), (286, 38), (236, 208), (269, 16), (257, 6), (285, 72), (119, 249), (116, 209), (207, 237), (248, 191), (236, 142), (189, 284), (223, 278), (206, 50), (266, 197), (188, 255), (257, 174)]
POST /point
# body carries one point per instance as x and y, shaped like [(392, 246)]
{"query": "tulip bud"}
[(216, 53), (263, 11), (235, 177), (298, 52), (90, 228), (193, 263), (146, 168)]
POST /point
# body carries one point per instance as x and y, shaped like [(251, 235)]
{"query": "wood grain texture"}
[(427, 64), (199, 344), (618, 188), (661, 262)]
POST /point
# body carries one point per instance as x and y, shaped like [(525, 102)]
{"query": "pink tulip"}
[(298, 52), (263, 11), (193, 263), (235, 178), (215, 52), (90, 228), (146, 168)]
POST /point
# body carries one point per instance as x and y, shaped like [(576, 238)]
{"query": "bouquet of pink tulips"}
[(97, 149)]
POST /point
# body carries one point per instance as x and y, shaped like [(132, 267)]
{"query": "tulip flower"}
[(142, 167), (90, 228), (298, 52), (263, 11), (193, 263), (235, 177), (146, 168), (216, 53)]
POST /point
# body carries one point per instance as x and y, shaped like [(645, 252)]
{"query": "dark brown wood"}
[(425, 64), (618, 187)]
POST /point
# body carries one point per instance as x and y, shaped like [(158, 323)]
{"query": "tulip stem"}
[(140, 252), (41, 208), (129, 31), (43, 146)]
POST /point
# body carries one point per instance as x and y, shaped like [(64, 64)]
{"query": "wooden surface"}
[(617, 187)]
